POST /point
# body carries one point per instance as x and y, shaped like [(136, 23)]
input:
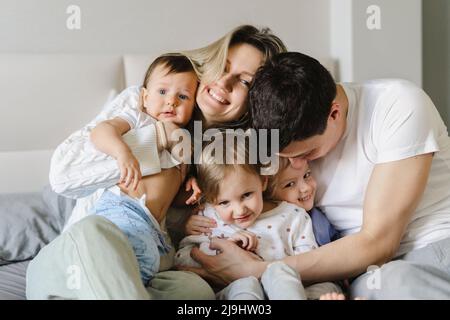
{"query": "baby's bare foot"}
[(332, 296), (336, 296)]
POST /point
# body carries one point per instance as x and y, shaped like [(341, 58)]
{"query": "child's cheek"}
[(313, 186), (226, 216)]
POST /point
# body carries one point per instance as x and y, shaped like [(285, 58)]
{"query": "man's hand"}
[(230, 264)]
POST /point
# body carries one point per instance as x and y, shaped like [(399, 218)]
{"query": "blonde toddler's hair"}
[(213, 168)]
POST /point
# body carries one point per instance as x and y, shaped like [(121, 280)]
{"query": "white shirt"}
[(137, 120), (387, 120), (77, 169), (283, 231)]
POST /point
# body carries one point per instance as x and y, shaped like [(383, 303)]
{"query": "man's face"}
[(301, 151)]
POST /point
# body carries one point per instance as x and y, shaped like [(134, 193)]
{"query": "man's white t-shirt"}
[(387, 120)]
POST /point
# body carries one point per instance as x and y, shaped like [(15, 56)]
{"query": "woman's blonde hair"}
[(210, 61), (214, 167)]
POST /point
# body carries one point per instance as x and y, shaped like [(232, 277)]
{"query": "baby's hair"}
[(174, 62), (273, 179), (213, 168)]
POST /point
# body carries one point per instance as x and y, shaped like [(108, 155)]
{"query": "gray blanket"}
[(28, 221)]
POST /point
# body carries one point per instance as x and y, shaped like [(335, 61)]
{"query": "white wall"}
[(134, 26), (393, 51), (115, 27), (39, 53), (318, 28)]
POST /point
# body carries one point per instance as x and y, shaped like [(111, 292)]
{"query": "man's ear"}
[(335, 112)]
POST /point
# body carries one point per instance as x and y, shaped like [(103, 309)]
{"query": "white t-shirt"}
[(137, 120), (387, 120), (78, 169), (89, 171)]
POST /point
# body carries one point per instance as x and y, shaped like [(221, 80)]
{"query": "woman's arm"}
[(393, 193)]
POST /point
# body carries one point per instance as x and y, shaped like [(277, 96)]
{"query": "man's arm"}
[(392, 195)]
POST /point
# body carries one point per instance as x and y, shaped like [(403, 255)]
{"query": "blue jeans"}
[(144, 236)]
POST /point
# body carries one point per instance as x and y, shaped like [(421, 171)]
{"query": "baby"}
[(233, 197), (138, 205)]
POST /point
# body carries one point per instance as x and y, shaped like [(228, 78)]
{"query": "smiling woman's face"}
[(225, 100)]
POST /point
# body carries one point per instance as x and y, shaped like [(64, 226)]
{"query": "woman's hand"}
[(192, 184), (230, 264), (130, 171), (245, 239), (198, 224)]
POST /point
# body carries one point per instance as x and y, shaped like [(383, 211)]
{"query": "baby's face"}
[(170, 97), (240, 200), (296, 186)]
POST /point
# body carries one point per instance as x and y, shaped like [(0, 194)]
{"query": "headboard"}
[(46, 97), (43, 99)]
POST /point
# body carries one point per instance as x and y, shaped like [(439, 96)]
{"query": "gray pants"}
[(94, 260), (420, 274), (278, 282)]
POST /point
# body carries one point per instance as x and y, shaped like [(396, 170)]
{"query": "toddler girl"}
[(233, 198)]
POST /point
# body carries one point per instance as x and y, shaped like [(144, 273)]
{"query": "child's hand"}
[(130, 171), (245, 239), (163, 132), (192, 184), (166, 131), (197, 225)]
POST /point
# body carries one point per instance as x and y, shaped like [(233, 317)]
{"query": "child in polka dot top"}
[(233, 198)]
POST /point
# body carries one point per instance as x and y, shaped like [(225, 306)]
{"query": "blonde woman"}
[(101, 263)]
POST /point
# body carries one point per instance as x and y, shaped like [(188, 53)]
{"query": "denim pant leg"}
[(145, 249), (146, 240)]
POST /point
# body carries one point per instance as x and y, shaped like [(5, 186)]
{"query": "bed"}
[(45, 97)]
